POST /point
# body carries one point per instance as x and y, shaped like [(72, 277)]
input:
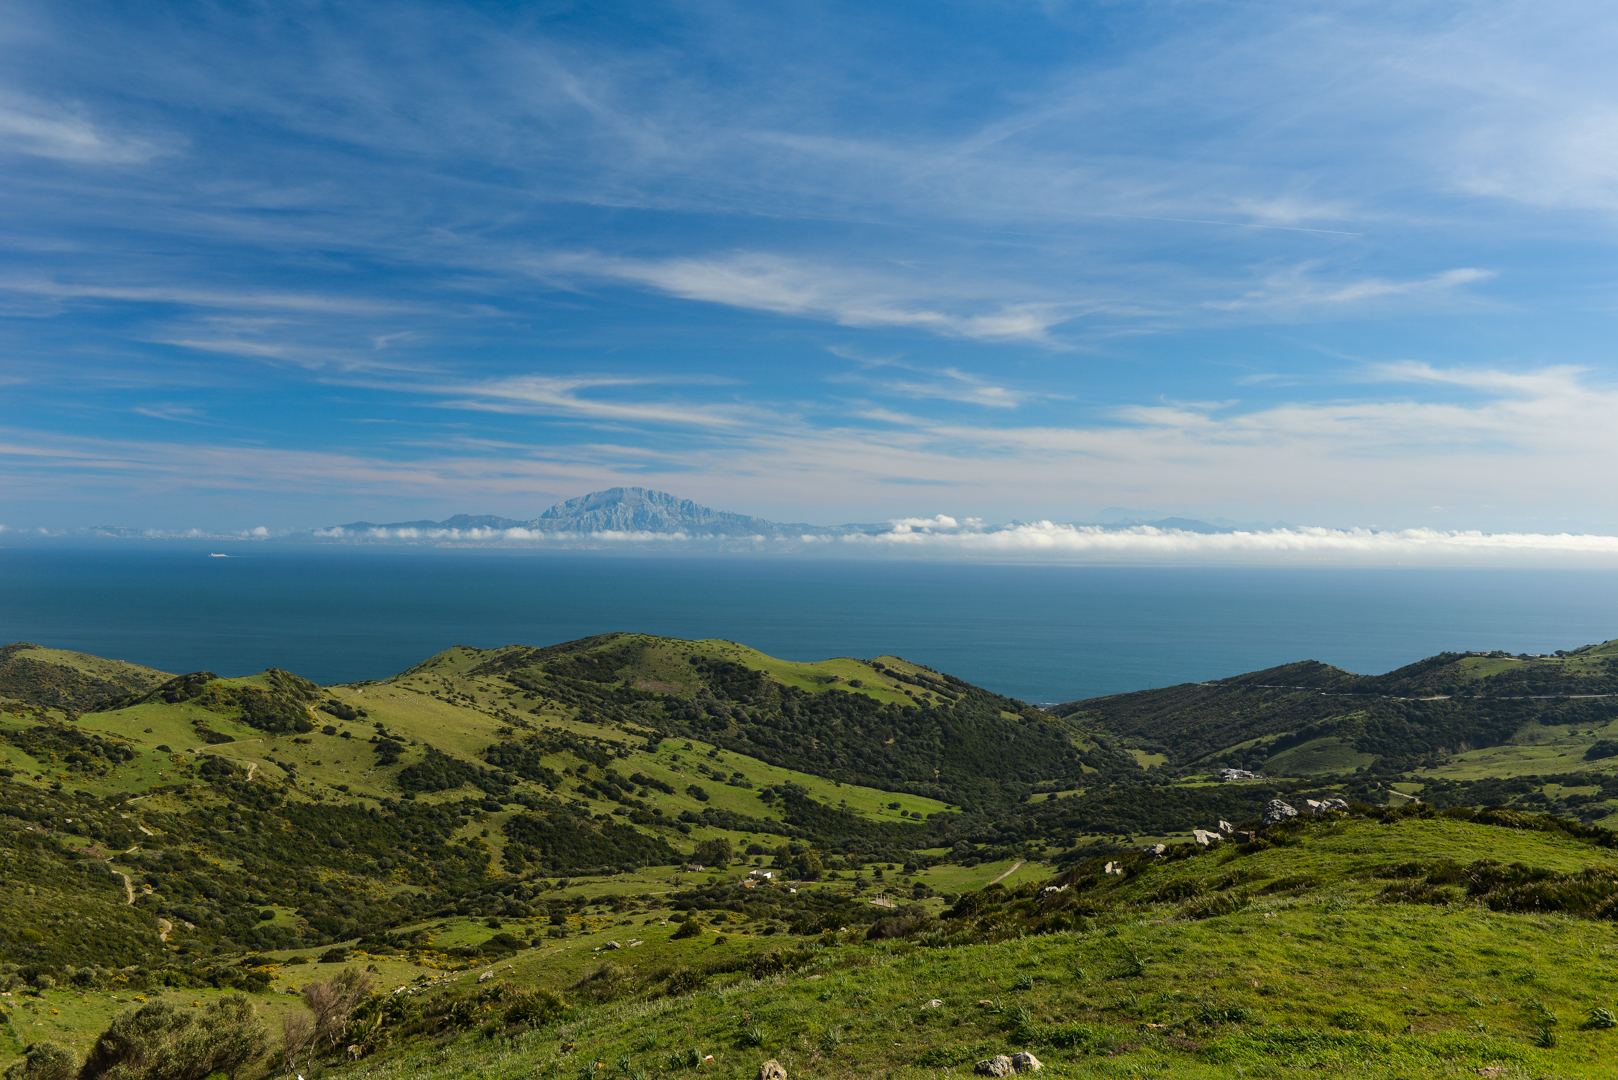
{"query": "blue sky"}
[(291, 264)]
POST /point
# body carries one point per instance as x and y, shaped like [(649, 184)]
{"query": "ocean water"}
[(1038, 632)]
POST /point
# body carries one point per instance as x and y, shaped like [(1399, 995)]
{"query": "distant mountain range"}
[(639, 513), (627, 513)]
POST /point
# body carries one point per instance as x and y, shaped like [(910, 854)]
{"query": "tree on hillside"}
[(717, 852), (333, 1003)]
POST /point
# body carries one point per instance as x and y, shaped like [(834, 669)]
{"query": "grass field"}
[(1313, 979), (1536, 750), (74, 1018), (1313, 975), (1326, 755)]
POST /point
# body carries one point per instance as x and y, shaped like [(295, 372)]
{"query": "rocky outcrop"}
[(1276, 811), (772, 1070), (1001, 1065)]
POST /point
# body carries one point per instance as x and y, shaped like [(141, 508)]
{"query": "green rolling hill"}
[(1434, 716), (170, 839)]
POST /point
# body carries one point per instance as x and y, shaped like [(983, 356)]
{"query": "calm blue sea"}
[(1041, 633)]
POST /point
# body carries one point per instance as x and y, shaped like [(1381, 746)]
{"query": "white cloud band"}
[(1148, 541), (942, 535)]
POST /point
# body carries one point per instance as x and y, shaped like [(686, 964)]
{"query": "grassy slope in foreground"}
[(1316, 972)]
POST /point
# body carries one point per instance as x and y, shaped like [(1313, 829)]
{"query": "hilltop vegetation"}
[(885, 723), (185, 837), (1310, 718), (67, 681)]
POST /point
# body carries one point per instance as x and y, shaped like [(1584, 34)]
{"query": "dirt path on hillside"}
[(1014, 868), (163, 925), (204, 751)]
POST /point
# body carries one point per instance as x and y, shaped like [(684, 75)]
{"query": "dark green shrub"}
[(534, 1008), (763, 965), (504, 943), (1416, 892), (1178, 889), (1445, 872), (686, 981), (44, 1061), (1213, 906), (160, 1042)]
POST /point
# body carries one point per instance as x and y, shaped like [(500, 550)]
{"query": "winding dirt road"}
[(1014, 868)]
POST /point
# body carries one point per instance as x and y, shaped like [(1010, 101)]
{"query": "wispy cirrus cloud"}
[(174, 411), (194, 296), (44, 129), (954, 385), (758, 281), (1297, 289), (944, 384), (566, 396)]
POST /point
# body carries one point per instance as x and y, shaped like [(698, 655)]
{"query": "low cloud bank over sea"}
[(638, 519)]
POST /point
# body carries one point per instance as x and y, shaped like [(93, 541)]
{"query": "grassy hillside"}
[(264, 812), (1310, 719), (541, 813), (1396, 944), (883, 723), (68, 681), (1324, 946)]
